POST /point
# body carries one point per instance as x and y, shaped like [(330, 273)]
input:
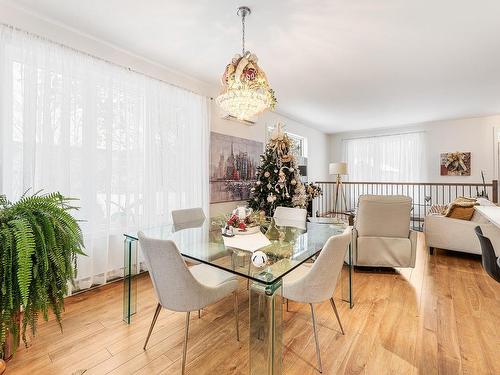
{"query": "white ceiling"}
[(337, 65)]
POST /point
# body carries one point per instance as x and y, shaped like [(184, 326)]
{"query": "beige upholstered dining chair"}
[(183, 289), (188, 218), (291, 213), (382, 235), (316, 282), (291, 217)]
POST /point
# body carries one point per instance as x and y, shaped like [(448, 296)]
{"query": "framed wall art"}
[(233, 167), (455, 164)]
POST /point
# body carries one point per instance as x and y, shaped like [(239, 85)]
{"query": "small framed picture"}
[(455, 164)]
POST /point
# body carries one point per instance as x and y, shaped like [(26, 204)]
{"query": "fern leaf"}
[(25, 247)]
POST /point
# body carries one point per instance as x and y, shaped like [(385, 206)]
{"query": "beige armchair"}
[(382, 235)]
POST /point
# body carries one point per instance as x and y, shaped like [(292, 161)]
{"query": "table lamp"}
[(338, 169)]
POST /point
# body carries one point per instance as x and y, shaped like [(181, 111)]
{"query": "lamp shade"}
[(338, 168)]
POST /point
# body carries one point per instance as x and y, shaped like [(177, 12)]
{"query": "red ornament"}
[(233, 221), (250, 73)]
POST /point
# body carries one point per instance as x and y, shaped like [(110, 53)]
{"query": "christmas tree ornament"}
[(282, 177)]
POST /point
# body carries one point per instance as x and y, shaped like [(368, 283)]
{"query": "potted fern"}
[(39, 243)]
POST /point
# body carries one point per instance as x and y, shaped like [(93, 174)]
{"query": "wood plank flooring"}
[(442, 317)]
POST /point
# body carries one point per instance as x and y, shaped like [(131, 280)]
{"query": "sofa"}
[(381, 234), (458, 235)]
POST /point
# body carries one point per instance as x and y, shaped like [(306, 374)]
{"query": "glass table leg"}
[(266, 329), (346, 278), (129, 279)]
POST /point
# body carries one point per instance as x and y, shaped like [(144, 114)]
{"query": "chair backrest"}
[(383, 216), (188, 218), (297, 214), (291, 217), (320, 282), (174, 285), (488, 258)]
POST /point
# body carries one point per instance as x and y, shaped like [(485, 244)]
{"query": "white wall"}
[(317, 141), (33, 23), (475, 135)]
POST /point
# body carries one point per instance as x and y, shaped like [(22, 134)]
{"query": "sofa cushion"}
[(484, 202), (478, 218)]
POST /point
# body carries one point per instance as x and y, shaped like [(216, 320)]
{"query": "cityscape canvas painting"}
[(233, 167)]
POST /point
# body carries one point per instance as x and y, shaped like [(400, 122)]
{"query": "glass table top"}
[(287, 245)]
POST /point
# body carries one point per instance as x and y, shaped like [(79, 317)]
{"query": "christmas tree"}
[(278, 181)]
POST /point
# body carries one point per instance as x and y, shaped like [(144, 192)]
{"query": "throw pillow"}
[(437, 209), (461, 208), (461, 213)]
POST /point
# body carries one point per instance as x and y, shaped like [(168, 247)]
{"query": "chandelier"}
[(245, 89)]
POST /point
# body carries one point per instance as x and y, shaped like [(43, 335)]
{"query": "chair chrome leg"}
[(153, 322), (318, 354), (236, 317), (199, 314), (184, 349), (337, 314)]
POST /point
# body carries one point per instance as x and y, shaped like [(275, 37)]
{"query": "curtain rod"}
[(43, 38), (383, 135)]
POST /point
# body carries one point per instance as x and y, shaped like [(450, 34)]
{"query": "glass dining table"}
[(287, 246)]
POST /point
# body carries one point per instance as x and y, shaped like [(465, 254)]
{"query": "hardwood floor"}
[(441, 317)]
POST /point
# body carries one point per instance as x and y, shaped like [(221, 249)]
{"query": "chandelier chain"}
[(243, 16)]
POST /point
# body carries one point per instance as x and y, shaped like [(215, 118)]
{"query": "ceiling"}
[(336, 65)]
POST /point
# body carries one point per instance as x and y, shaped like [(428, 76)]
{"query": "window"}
[(129, 147), (391, 158)]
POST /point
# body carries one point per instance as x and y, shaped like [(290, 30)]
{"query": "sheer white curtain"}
[(392, 158), (130, 147)]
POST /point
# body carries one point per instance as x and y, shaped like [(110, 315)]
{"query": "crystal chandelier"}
[(245, 89)]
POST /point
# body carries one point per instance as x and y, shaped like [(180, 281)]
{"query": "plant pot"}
[(11, 342)]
